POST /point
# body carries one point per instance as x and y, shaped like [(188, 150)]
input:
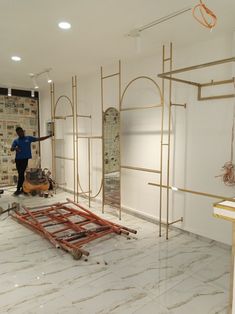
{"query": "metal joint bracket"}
[(179, 105)]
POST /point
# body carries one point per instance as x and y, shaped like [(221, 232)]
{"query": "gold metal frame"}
[(54, 117), (166, 60), (102, 78), (221, 198), (168, 76), (86, 194), (161, 105)]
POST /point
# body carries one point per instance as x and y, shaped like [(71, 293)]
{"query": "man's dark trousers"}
[(21, 165)]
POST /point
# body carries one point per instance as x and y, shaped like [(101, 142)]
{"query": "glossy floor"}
[(144, 274)]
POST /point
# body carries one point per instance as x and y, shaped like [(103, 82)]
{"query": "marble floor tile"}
[(138, 274), (194, 297), (217, 273), (152, 307), (107, 295)]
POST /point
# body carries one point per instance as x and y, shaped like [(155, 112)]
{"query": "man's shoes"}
[(17, 192)]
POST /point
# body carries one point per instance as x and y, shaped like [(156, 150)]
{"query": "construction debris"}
[(68, 225), (13, 207)]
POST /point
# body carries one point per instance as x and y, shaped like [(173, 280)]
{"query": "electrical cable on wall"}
[(207, 18)]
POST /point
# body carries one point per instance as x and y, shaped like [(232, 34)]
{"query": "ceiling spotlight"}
[(9, 91), (32, 93), (64, 25), (16, 58), (49, 80)]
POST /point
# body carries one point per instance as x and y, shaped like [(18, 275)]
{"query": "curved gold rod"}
[(139, 78), (85, 193), (69, 100)]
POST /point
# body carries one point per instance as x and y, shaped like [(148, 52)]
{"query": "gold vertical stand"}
[(52, 93), (102, 78), (231, 305), (168, 60), (86, 194), (149, 107), (226, 210), (54, 117), (162, 144), (169, 144)]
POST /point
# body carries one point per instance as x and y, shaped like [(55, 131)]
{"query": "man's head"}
[(20, 131)]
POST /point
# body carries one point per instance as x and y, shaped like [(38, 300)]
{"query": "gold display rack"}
[(102, 78), (54, 117), (148, 107), (84, 194), (169, 76), (200, 86)]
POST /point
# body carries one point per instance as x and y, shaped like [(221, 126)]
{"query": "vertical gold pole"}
[(74, 161), (89, 170), (76, 135), (161, 156), (230, 311), (51, 97), (102, 117), (119, 103), (169, 146), (54, 131)]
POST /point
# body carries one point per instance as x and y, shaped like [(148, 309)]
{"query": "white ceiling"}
[(97, 37)]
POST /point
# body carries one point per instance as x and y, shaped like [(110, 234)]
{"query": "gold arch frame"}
[(161, 105), (54, 107)]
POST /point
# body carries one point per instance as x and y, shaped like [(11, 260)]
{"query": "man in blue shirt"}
[(22, 147)]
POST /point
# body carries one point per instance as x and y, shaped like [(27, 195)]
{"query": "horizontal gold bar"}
[(63, 117), (179, 105), (141, 108), (174, 222), (212, 83), (165, 144), (111, 75), (83, 116), (216, 97), (65, 158), (60, 117), (91, 137), (141, 169), (223, 217), (199, 66), (180, 80), (195, 192), (226, 207)]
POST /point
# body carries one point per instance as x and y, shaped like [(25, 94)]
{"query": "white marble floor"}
[(144, 274)]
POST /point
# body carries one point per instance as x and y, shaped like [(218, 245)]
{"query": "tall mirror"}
[(112, 157)]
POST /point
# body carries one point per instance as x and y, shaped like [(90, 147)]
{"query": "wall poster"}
[(16, 111)]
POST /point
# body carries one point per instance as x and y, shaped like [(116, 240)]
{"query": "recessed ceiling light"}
[(15, 58), (64, 25)]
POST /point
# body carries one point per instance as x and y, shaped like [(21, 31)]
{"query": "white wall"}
[(200, 138)]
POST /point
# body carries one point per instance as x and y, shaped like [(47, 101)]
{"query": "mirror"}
[(111, 157)]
